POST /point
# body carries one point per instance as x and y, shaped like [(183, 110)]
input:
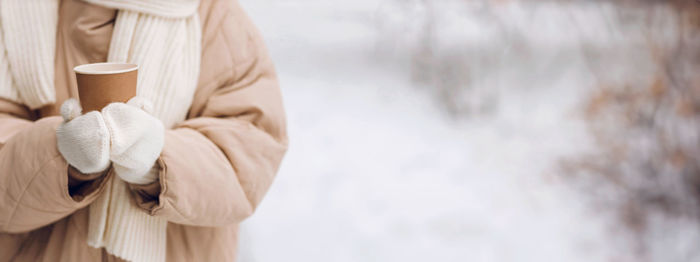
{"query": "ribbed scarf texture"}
[(164, 38)]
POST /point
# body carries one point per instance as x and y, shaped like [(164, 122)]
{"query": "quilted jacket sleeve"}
[(34, 181)]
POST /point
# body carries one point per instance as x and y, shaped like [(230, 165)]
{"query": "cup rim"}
[(104, 68)]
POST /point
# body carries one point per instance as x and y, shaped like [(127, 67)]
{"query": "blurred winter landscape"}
[(475, 130)]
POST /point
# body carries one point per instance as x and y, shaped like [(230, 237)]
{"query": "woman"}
[(210, 131)]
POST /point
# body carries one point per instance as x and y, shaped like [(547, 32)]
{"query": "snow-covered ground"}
[(378, 171)]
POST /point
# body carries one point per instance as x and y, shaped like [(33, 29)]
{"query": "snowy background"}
[(433, 131)]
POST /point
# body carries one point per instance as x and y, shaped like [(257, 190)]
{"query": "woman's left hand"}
[(137, 139)]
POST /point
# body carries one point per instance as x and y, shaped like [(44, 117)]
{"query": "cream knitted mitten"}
[(137, 139), (83, 140)]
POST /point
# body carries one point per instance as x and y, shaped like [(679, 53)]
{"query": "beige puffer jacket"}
[(216, 166)]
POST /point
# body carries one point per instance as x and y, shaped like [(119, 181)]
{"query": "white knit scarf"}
[(164, 38)]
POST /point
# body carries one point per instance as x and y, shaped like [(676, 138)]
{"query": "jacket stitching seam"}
[(21, 196)]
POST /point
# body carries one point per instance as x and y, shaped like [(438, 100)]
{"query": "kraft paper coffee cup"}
[(102, 83)]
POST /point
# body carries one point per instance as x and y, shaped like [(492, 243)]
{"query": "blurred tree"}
[(648, 133)]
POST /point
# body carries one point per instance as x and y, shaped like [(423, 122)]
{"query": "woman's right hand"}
[(83, 140)]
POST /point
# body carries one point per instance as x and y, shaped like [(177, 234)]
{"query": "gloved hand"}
[(83, 140), (137, 139)]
